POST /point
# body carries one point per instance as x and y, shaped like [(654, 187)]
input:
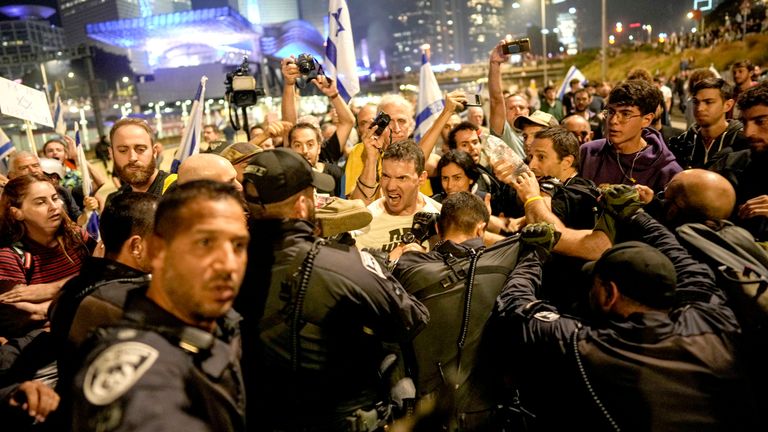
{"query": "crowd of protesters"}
[(531, 264)]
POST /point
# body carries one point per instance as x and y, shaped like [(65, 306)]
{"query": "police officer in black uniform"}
[(173, 362), (328, 310), (457, 357)]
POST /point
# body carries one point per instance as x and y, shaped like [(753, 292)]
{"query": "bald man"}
[(580, 127), (698, 196), (208, 166)]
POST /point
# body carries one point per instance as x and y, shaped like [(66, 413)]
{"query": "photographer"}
[(332, 149), (459, 278)]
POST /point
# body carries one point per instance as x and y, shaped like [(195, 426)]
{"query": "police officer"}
[(173, 362), (329, 307), (658, 354), (458, 282)]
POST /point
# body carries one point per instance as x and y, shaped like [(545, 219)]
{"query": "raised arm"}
[(367, 185), (290, 73), (498, 110), (346, 118), (453, 101)]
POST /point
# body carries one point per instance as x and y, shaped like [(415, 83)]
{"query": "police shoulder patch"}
[(546, 316), (113, 372), (370, 264)]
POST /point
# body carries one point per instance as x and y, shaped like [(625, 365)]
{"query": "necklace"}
[(632, 168)]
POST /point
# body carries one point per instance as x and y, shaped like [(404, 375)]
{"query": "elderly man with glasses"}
[(631, 152)]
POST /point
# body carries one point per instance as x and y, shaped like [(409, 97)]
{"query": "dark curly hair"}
[(465, 125), (642, 94), (757, 95)]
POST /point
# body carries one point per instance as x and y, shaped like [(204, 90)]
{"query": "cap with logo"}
[(640, 272), (275, 175)]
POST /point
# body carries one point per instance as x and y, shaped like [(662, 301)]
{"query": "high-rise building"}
[(458, 31), (28, 33), (75, 14)]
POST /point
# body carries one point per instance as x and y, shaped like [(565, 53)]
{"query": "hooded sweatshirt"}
[(689, 149), (654, 166)]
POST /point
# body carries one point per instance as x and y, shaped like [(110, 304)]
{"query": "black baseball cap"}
[(275, 175), (640, 272)]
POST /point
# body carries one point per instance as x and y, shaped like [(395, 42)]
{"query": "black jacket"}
[(689, 149), (153, 372), (351, 306), (652, 371)]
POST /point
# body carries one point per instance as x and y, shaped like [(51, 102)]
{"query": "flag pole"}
[(30, 137)]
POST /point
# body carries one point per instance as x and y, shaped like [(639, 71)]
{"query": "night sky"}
[(370, 17)]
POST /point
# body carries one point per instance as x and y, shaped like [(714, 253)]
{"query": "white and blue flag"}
[(430, 102), (58, 115), (573, 72), (341, 64), (6, 148), (190, 140), (92, 220)]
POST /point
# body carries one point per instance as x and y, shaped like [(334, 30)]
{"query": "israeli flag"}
[(341, 64), (58, 115), (92, 220), (573, 72), (190, 140), (430, 102), (6, 148)]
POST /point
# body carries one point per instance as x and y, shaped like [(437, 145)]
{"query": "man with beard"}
[(134, 151)]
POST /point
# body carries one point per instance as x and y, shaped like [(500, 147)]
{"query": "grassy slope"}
[(655, 61)]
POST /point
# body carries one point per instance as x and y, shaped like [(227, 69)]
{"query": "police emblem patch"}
[(370, 264), (546, 316), (116, 370)]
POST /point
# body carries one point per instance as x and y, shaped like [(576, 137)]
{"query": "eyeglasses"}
[(621, 116)]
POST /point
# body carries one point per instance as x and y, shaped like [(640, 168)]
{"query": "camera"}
[(306, 64), (423, 227), (380, 123), (517, 46), (241, 87)]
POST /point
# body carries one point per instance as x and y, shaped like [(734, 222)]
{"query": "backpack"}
[(460, 291), (739, 263)]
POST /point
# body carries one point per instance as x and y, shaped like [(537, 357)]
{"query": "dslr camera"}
[(380, 123), (241, 87), (306, 64), (518, 46), (423, 227)]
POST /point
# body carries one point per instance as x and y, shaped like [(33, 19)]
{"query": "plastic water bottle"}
[(497, 150)]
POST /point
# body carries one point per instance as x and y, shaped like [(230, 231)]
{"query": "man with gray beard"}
[(134, 151)]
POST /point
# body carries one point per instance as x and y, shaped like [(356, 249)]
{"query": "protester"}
[(318, 367)]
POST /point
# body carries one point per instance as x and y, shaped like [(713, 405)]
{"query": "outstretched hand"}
[(540, 234), (621, 201)]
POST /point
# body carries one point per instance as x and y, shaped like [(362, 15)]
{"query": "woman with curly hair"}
[(40, 249)]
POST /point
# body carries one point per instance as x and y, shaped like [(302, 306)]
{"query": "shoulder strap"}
[(169, 181)]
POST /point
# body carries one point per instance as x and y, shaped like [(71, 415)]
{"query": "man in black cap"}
[(328, 309), (658, 355)]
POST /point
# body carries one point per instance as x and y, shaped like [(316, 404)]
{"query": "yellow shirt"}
[(354, 168)]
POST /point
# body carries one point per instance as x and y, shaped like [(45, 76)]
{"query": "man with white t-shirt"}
[(402, 173)]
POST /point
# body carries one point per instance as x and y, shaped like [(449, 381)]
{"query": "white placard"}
[(26, 103)]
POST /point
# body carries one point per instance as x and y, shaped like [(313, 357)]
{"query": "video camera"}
[(423, 227), (241, 90), (380, 123)]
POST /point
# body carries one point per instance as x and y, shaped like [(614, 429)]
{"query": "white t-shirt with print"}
[(386, 231)]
